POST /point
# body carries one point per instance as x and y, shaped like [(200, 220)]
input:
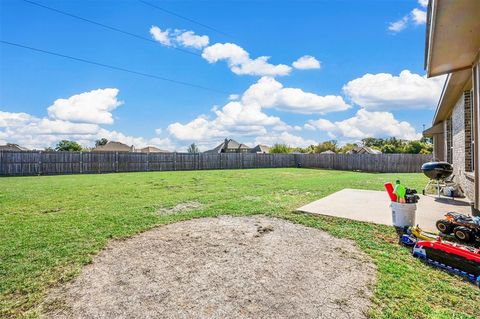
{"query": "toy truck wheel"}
[(464, 234), (444, 226)]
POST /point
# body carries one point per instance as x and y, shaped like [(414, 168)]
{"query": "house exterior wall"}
[(476, 131), (458, 149), (438, 147)]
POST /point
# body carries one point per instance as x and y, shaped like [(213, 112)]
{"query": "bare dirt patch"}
[(227, 267), (180, 208)]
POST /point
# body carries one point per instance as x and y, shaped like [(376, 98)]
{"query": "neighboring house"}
[(453, 48), (12, 147), (114, 147), (230, 146), (260, 149), (364, 150), (152, 149), (328, 152)]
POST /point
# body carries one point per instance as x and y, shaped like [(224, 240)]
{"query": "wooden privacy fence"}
[(18, 163), (381, 163)]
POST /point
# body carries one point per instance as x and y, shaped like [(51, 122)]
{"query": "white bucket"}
[(403, 214)]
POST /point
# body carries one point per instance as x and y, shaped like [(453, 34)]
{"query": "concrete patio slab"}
[(374, 207)]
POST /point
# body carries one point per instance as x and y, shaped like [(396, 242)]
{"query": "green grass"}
[(52, 226)]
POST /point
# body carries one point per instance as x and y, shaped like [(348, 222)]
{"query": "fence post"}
[(81, 162), (148, 167), (116, 162), (39, 162), (175, 161)]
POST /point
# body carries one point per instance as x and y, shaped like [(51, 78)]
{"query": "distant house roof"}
[(152, 149), (328, 152), (364, 150), (261, 149), (114, 147), (12, 147), (228, 145)]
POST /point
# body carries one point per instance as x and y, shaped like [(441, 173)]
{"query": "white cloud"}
[(190, 39), (398, 25), (270, 93), (384, 91), (237, 58), (245, 118), (89, 107), (173, 38), (38, 133), (76, 118), (14, 119), (160, 36), (367, 124), (233, 119), (423, 3), (240, 62), (284, 138), (320, 124), (419, 16), (306, 62), (233, 97)]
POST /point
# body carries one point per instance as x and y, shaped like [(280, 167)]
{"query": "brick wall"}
[(448, 140), (458, 148), (467, 98)]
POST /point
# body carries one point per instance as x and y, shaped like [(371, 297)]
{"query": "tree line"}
[(72, 146), (390, 145)]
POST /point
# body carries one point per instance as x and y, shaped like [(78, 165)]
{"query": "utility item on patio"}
[(438, 173), (454, 258), (391, 194), (403, 204), (400, 191), (465, 228), (414, 234), (403, 215), (410, 196)]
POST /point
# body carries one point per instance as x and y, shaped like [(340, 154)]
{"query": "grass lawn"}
[(53, 225)]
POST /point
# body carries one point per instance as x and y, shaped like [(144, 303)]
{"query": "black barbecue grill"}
[(438, 172)]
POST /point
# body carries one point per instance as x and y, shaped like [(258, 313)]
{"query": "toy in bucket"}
[(403, 202), (400, 191)]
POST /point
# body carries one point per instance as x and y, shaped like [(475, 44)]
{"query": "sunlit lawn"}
[(51, 226)]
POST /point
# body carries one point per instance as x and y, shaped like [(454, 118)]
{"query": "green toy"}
[(400, 191)]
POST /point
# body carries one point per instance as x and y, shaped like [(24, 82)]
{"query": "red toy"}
[(389, 188), (458, 259)]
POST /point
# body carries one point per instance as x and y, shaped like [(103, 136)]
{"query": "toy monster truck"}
[(464, 228)]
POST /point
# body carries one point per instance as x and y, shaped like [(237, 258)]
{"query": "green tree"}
[(65, 145), (413, 147), (389, 149), (347, 147), (49, 149), (373, 142), (418, 147), (280, 148), (427, 149), (192, 148), (327, 146), (309, 149), (101, 142)]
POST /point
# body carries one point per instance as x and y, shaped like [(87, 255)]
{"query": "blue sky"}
[(350, 84)]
